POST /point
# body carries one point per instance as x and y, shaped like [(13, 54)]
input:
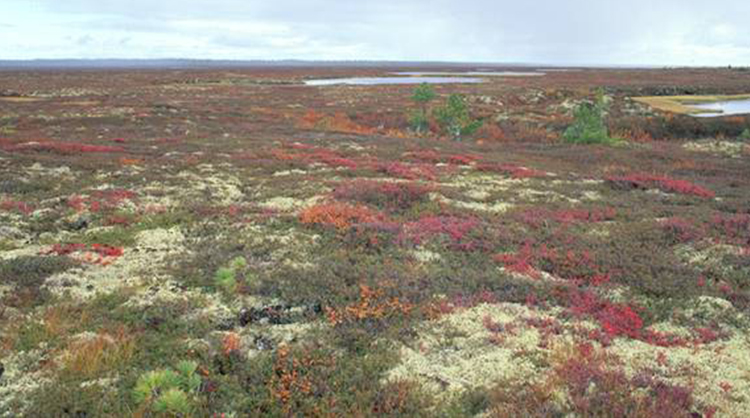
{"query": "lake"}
[(475, 73), (373, 81), (727, 108)]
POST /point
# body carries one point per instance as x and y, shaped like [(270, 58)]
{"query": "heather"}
[(235, 243)]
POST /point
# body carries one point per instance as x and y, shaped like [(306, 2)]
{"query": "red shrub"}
[(681, 230), (514, 171), (103, 253), (15, 206), (101, 200), (576, 266), (408, 171), (666, 184), (520, 262), (734, 227), (455, 228), (462, 159), (393, 195), (538, 217), (615, 319)]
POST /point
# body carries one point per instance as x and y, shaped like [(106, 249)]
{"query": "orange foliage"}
[(288, 379), (372, 305), (634, 135), (104, 352), (339, 215), (230, 343), (490, 132), (339, 122)]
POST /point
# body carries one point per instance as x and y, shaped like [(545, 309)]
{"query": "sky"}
[(555, 32)]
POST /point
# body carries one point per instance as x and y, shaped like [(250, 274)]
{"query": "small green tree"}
[(455, 119), (588, 126), (226, 277), (745, 135), (419, 119), (169, 392)]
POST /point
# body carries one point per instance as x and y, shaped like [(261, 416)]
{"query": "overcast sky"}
[(618, 32)]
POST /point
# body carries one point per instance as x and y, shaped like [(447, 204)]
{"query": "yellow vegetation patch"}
[(92, 354), (20, 99)]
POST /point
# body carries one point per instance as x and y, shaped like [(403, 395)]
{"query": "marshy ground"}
[(236, 243)]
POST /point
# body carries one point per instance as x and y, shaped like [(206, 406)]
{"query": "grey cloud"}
[(561, 31)]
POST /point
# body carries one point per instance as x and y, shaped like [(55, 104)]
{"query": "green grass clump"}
[(168, 391), (226, 277)]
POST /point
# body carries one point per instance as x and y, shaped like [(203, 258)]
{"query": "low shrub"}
[(339, 215), (588, 126), (455, 119), (664, 183)]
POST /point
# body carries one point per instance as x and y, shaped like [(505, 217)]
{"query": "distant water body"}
[(719, 109), (374, 81), (474, 73)]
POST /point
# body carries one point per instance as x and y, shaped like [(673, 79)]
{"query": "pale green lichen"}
[(718, 372), (496, 207), (290, 204), (456, 353), (718, 147), (140, 264), (223, 189), (22, 377)]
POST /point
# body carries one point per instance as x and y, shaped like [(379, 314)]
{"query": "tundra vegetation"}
[(233, 243)]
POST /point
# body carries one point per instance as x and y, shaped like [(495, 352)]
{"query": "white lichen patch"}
[(289, 204), (223, 188), (708, 256), (290, 173), (22, 377), (140, 264), (28, 251), (483, 182), (718, 372), (40, 171), (457, 352), (591, 195), (718, 147), (489, 207), (478, 194), (425, 256)]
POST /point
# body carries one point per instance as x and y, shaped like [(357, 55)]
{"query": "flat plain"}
[(231, 243)]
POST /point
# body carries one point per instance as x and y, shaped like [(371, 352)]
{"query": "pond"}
[(373, 81), (727, 108), (475, 73)]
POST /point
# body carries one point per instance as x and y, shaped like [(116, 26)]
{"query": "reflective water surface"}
[(372, 81), (728, 108)]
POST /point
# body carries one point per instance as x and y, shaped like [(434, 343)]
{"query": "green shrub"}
[(588, 126), (454, 118), (30, 271), (419, 122), (419, 119), (745, 135)]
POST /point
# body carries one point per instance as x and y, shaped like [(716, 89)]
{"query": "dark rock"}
[(79, 224), (263, 344)]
